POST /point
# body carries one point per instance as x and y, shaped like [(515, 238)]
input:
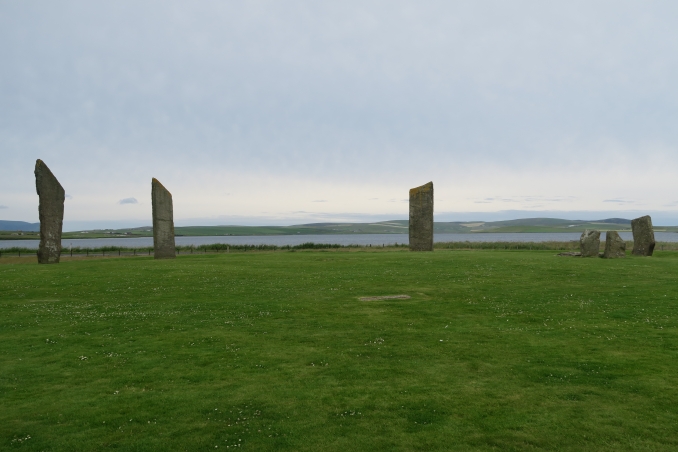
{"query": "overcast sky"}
[(298, 111)]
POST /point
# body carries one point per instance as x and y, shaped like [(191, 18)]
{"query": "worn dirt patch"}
[(385, 297)]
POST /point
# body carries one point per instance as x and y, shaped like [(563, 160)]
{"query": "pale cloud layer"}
[(283, 112)]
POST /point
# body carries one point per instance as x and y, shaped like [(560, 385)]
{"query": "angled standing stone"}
[(615, 246), (589, 243), (51, 212), (643, 236), (421, 218), (163, 221)]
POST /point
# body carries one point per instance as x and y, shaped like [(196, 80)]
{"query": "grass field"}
[(495, 350)]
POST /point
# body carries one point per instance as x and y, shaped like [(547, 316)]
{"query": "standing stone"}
[(615, 246), (643, 236), (163, 221), (589, 243), (421, 218), (51, 212)]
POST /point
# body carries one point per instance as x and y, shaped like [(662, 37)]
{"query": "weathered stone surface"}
[(421, 218), (51, 212), (643, 236), (163, 222), (615, 246), (589, 243)]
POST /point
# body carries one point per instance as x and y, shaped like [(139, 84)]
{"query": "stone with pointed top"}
[(589, 243), (421, 218), (163, 222), (643, 236), (51, 212), (615, 246)]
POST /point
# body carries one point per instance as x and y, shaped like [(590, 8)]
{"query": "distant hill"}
[(19, 226), (544, 225), (380, 227)]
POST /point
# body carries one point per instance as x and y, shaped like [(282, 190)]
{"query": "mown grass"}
[(496, 350)]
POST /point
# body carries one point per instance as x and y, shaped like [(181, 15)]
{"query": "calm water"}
[(341, 239)]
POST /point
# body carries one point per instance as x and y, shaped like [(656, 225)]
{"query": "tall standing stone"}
[(51, 212), (615, 246), (421, 218), (643, 236), (163, 221), (589, 243)]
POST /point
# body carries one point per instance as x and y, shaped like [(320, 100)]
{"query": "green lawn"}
[(496, 350)]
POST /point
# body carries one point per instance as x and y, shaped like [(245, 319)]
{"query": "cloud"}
[(4, 207), (618, 201), (128, 201), (349, 96), (68, 196), (525, 199)]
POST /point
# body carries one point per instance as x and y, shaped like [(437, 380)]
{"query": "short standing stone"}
[(589, 243), (51, 212), (615, 246), (643, 236), (421, 218), (163, 221)]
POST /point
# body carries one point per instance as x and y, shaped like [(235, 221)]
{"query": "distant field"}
[(495, 350)]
